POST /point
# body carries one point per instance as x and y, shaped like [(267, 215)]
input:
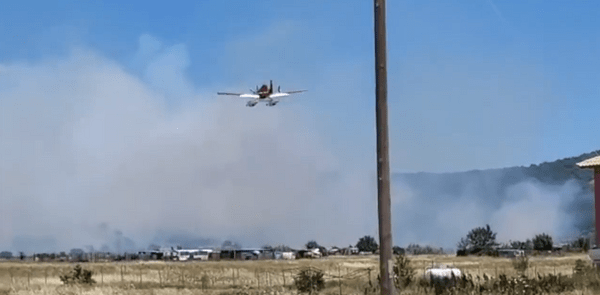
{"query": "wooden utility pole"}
[(383, 163)]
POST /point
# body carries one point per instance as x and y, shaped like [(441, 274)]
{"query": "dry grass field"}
[(343, 275)]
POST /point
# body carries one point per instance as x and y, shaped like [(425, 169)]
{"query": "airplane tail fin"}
[(271, 88)]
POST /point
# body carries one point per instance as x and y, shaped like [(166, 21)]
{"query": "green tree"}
[(153, 247), (323, 251), (517, 245), (463, 247), (527, 245), (586, 245), (582, 243), (542, 242), (77, 254), (282, 248), (312, 245), (367, 244), (480, 240), (229, 245), (6, 255)]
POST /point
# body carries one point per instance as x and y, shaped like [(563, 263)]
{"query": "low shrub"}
[(78, 276), (309, 280)]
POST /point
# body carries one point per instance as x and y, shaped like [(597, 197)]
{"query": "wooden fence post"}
[(159, 277), (340, 279), (182, 274)]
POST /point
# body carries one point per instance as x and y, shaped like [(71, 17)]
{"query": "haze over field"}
[(519, 202), (111, 135), (94, 149)]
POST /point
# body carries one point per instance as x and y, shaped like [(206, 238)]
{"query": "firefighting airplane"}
[(264, 93)]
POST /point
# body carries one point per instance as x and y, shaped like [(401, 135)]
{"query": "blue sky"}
[(472, 85), (547, 51), (492, 84)]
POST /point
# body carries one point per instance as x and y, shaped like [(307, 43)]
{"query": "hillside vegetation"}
[(488, 188)]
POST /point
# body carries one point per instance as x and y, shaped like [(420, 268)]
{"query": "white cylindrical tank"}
[(442, 272)]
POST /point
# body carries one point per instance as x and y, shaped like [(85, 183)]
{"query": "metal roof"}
[(591, 162)]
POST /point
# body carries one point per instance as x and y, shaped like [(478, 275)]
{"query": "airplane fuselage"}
[(264, 91)]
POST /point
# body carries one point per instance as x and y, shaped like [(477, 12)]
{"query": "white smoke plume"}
[(440, 209), (90, 153), (93, 155)]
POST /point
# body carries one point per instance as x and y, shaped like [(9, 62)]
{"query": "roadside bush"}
[(404, 273), (309, 280), (585, 275), (521, 264), (582, 267), (78, 276), (398, 250), (501, 285)]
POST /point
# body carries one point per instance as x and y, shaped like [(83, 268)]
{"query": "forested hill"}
[(495, 192), (556, 172)]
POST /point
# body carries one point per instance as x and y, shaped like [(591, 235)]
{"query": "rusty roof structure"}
[(589, 163)]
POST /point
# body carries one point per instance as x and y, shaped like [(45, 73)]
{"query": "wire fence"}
[(202, 275), (192, 275)]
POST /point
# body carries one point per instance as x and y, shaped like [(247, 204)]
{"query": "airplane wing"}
[(282, 94), (239, 94), (278, 94), (250, 95), (228, 93)]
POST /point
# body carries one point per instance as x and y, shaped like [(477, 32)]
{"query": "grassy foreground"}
[(343, 275)]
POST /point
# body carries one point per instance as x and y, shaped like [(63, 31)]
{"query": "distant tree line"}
[(479, 241), (482, 241)]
